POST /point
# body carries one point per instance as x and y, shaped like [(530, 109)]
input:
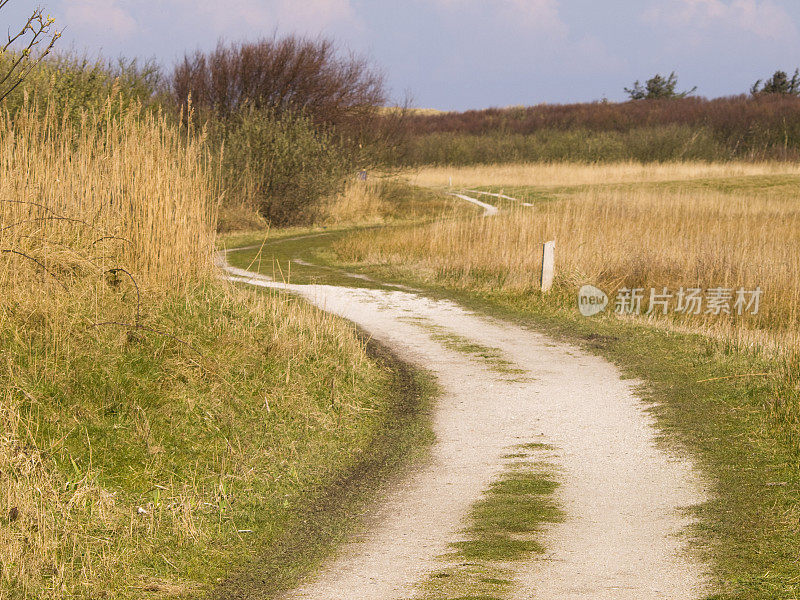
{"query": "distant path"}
[(488, 209), (623, 494), (503, 196)]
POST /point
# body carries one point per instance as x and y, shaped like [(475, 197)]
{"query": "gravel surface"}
[(624, 495)]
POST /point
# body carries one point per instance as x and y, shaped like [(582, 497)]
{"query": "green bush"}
[(279, 163), (70, 83)]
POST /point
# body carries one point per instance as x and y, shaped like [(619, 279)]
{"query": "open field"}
[(705, 226), (716, 396), (718, 399), (556, 174)]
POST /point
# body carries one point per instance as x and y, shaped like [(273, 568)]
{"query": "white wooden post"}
[(548, 265)]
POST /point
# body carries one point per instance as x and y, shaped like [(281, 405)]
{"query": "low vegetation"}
[(725, 388), (278, 166), (292, 118), (749, 127)]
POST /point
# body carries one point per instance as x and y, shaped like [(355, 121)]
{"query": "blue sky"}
[(459, 54)]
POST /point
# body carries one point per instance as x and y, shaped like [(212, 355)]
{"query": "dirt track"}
[(623, 494)]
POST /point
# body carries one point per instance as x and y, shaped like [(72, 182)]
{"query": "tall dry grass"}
[(98, 222), (569, 174), (146, 409), (647, 237), (359, 202), (129, 191), (563, 174)]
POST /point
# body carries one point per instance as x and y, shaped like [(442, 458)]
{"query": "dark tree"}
[(658, 87), (779, 83)]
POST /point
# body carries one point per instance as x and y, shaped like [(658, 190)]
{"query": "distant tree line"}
[(779, 83), (659, 87)]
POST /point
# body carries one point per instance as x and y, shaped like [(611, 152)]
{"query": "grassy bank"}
[(137, 464), (163, 433)]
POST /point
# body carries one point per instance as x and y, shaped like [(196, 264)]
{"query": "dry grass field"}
[(705, 226), (572, 174)]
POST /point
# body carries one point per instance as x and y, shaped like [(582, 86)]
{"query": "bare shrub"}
[(291, 73)]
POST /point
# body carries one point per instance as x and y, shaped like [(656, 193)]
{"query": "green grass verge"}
[(322, 520), (134, 465)]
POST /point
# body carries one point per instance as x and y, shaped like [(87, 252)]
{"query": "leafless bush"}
[(290, 73)]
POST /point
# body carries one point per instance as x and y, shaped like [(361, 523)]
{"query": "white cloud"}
[(309, 16), (541, 15), (763, 18), (102, 17), (118, 18)]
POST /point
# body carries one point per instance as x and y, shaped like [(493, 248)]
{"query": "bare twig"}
[(69, 249), (36, 204), (111, 237), (53, 218), (27, 58), (38, 262)]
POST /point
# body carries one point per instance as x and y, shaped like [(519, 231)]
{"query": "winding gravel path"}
[(624, 495)]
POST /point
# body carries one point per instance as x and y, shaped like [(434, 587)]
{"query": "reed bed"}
[(125, 189), (102, 215)]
